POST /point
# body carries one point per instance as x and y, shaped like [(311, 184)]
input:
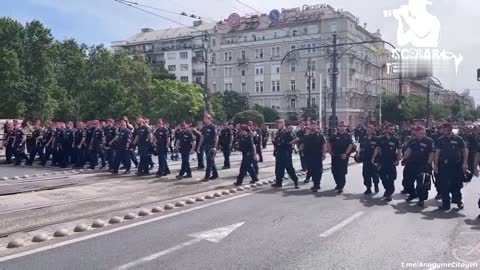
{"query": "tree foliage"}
[(249, 115), (269, 114)]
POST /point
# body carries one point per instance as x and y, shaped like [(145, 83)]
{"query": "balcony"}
[(198, 72), (198, 59), (242, 61)]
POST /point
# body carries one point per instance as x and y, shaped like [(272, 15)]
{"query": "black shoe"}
[(179, 177), (205, 180), (151, 167), (438, 196), (444, 207), (411, 198), (339, 191), (213, 177), (460, 205), (253, 182), (225, 167), (122, 168), (377, 189), (295, 182), (237, 184), (188, 176), (336, 187), (29, 163), (388, 198), (114, 172), (200, 168), (127, 172), (420, 203), (306, 181), (103, 166), (315, 189), (367, 192), (404, 192), (276, 185), (17, 164)]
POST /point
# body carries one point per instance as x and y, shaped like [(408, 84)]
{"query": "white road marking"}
[(215, 235), (341, 225), (90, 236)]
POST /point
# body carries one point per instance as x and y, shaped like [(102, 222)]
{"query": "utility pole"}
[(309, 76), (324, 115), (206, 46), (428, 105), (333, 119)]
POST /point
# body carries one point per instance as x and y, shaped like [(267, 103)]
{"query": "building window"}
[(294, 33), (214, 57), (259, 87), (292, 85), (243, 55), (183, 55), (275, 86), (263, 37), (275, 68), (244, 87), (214, 87), (245, 39), (184, 67), (310, 47), (227, 71), (227, 56), (243, 72), (333, 27), (171, 68), (314, 102), (259, 69), (313, 65), (293, 103), (312, 82), (258, 53), (275, 35), (293, 47), (275, 103), (276, 51), (292, 67), (214, 71), (171, 55), (228, 87), (184, 78), (198, 80)]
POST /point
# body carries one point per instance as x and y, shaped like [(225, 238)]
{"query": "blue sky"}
[(103, 21)]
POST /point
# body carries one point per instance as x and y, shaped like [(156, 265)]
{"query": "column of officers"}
[(113, 144), (435, 157)]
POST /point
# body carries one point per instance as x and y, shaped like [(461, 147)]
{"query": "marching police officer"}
[(200, 151), (47, 142), (283, 154), (161, 140), (368, 143), (98, 140), (315, 148), (388, 152), (248, 149), (79, 145), (58, 141), (209, 140), (19, 144), (143, 140), (185, 145), (121, 143), (225, 141), (110, 133), (340, 146), (264, 132), (451, 159), (418, 159), (300, 134), (10, 137), (68, 145), (471, 141), (37, 137)]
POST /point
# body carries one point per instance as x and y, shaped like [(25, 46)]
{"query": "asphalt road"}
[(283, 229)]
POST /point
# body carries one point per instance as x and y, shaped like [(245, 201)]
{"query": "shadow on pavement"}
[(474, 223)]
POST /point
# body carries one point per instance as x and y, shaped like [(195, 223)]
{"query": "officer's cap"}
[(245, 128), (447, 125), (419, 128)]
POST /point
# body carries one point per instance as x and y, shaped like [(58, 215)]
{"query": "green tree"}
[(269, 114), (233, 103), (218, 111), (248, 115)]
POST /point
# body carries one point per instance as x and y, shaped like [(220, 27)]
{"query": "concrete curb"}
[(61, 233)]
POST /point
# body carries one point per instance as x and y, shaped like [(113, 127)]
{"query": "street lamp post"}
[(206, 47)]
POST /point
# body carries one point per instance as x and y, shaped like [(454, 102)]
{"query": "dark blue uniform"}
[(79, 147), (246, 146), (369, 170), (388, 157), (185, 141), (209, 135), (300, 135), (450, 171), (339, 144), (19, 146), (59, 151), (162, 135), (143, 144), (121, 146), (48, 134), (37, 148), (95, 146), (68, 147), (225, 140), (417, 164), (200, 150), (110, 134), (283, 157), (313, 153)]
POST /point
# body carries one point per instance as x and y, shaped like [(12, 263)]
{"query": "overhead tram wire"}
[(128, 3)]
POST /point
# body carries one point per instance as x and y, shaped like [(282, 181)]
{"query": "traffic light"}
[(478, 74)]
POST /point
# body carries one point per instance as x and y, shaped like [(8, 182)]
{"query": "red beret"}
[(419, 128), (245, 128)]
